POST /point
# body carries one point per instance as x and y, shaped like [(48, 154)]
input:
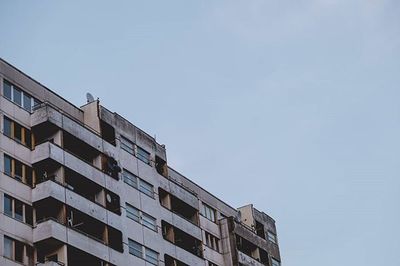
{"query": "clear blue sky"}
[(290, 105)]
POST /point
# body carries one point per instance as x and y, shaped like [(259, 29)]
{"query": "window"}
[(135, 248), (7, 88), (271, 237), (143, 155), (7, 165), (209, 212), (8, 247), (212, 241), (149, 222), (146, 188), (138, 183), (141, 217), (8, 205), (130, 178), (151, 256), (127, 145), (13, 249), (17, 210), (19, 97), (275, 262), (132, 213), (17, 132)]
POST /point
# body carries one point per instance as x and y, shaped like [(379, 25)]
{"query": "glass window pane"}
[(130, 178), (151, 256), (19, 251), (7, 205), (146, 188), (17, 132), (36, 103), (149, 222), (7, 165), (132, 213), (127, 145), (135, 248), (7, 127), (7, 89), (143, 155), (18, 210), (275, 262), (8, 247), (18, 170), (17, 96), (27, 104)]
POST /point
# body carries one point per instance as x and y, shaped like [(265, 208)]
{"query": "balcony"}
[(52, 189), (247, 260)]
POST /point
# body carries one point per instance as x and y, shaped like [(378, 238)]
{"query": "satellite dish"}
[(108, 198), (89, 97)]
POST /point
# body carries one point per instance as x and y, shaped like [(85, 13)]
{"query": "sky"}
[(290, 105)]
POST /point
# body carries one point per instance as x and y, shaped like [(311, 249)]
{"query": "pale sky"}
[(290, 105)]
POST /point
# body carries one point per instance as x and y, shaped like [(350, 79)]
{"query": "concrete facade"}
[(84, 186)]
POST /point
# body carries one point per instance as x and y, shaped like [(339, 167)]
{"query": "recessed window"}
[(141, 217), (8, 209), (143, 252), (127, 145), (130, 178), (151, 256), (8, 247), (19, 212), (17, 132), (212, 241), (18, 96), (275, 262), (132, 213), (7, 90), (17, 170), (146, 188), (271, 237), (209, 212), (143, 155), (135, 248)]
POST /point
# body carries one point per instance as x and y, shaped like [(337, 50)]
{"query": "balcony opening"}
[(49, 209), (170, 261), (161, 166), (79, 148), (115, 239), (181, 239), (46, 132), (92, 191), (264, 257), (49, 252), (178, 206), (107, 132), (79, 257), (47, 170), (246, 247), (110, 166), (260, 229)]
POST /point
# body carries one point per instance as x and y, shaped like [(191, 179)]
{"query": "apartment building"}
[(84, 186)]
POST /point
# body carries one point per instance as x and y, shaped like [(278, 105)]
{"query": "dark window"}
[(19, 251), (18, 132), (7, 165), (7, 127), (17, 96), (19, 213), (28, 215), (18, 170), (28, 140), (7, 205), (7, 89)]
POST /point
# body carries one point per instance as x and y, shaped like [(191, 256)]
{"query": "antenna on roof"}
[(89, 98)]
